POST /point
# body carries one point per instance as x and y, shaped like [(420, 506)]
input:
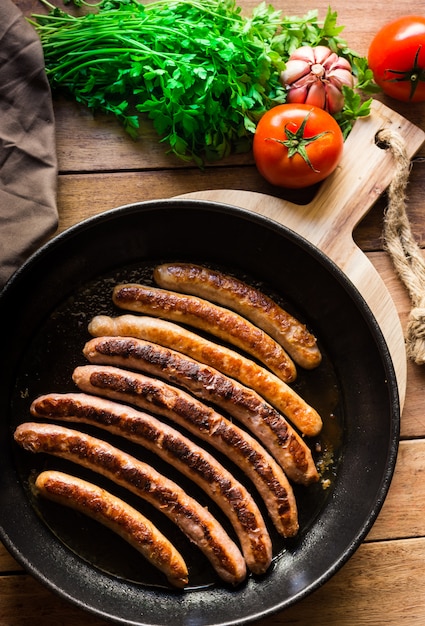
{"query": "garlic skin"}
[(315, 76)]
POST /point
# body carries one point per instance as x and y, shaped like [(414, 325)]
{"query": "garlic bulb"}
[(315, 76)]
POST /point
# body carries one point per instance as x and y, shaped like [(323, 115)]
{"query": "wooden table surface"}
[(100, 168)]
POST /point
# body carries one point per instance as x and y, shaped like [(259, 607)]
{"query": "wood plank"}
[(413, 418), (25, 602), (118, 151), (7, 562), (82, 194), (394, 568), (94, 142), (398, 518)]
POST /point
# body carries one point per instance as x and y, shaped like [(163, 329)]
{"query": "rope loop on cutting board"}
[(400, 243)]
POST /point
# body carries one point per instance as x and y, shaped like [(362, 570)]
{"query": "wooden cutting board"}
[(342, 201)]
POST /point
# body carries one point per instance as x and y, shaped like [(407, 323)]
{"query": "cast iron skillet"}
[(45, 309)]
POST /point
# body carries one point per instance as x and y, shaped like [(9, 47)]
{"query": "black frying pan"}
[(45, 309)]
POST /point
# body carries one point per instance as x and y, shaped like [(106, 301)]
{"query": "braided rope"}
[(405, 253)]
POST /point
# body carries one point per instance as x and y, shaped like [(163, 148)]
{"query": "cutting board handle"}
[(343, 199), (365, 171)]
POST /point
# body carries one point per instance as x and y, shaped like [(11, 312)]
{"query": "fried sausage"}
[(247, 300), (117, 515), (193, 519), (204, 315), (169, 444), (201, 420), (231, 363), (207, 383)]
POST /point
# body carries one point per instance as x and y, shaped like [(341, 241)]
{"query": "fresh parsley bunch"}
[(199, 69)]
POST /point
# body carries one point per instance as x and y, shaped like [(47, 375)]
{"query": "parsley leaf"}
[(203, 72)]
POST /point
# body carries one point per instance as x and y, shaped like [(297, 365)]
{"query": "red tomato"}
[(397, 58), (297, 145)]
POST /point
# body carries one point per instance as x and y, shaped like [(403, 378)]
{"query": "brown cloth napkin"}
[(28, 162)]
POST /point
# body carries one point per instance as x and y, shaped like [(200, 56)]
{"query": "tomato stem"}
[(414, 75), (297, 143)]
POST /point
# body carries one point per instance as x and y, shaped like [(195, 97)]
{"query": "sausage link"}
[(200, 419), (204, 315), (207, 383), (117, 515), (250, 302), (192, 518), (169, 444), (231, 363)]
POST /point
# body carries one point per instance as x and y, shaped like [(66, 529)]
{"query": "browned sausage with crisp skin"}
[(204, 315), (207, 383), (228, 361), (193, 519), (117, 515), (250, 302), (200, 419), (169, 444)]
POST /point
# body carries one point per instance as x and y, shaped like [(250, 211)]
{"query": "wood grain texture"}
[(350, 598), (101, 168), (82, 195), (376, 570), (399, 517)]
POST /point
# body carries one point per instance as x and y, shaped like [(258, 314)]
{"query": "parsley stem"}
[(203, 72)]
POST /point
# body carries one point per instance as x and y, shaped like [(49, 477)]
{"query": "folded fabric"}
[(28, 161)]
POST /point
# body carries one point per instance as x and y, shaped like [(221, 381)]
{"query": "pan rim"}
[(346, 284)]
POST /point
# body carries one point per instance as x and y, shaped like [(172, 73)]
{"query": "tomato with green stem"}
[(297, 145), (397, 58)]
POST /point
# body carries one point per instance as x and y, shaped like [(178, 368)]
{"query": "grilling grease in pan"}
[(47, 367)]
